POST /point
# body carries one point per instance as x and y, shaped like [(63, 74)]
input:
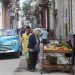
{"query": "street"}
[(22, 71), (16, 66), (7, 66), (10, 67), (56, 20)]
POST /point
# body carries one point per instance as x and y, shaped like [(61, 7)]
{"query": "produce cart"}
[(50, 63)]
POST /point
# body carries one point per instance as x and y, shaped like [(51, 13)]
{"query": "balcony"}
[(6, 1), (44, 3)]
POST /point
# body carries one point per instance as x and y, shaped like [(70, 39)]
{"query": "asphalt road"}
[(8, 66)]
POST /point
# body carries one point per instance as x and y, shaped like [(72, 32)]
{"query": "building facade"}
[(14, 14), (58, 17), (9, 12), (46, 14), (64, 18)]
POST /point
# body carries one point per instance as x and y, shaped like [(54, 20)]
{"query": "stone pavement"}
[(20, 70)]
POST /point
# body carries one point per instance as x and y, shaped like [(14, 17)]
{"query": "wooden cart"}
[(47, 66)]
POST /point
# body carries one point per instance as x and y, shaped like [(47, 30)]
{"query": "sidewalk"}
[(20, 70)]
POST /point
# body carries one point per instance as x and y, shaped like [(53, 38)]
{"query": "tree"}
[(27, 7)]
